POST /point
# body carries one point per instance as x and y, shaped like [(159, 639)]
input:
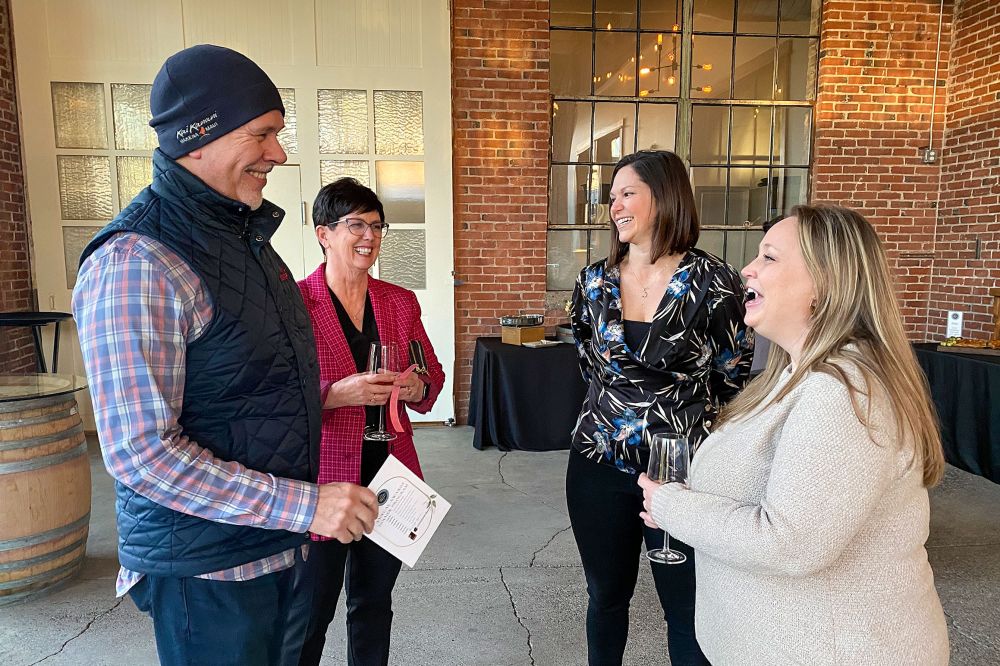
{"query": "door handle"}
[(305, 215)]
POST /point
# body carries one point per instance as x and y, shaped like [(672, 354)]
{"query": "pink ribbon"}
[(397, 425)]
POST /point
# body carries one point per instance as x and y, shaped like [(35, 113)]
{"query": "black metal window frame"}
[(685, 103)]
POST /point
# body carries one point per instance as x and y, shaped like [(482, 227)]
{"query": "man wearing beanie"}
[(206, 390)]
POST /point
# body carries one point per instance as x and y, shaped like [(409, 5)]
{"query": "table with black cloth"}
[(522, 398), (966, 393)]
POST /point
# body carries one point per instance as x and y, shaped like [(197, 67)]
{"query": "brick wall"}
[(16, 350), (873, 117), (500, 98), (970, 187)]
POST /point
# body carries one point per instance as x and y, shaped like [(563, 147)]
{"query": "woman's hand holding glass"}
[(669, 461), (360, 389)]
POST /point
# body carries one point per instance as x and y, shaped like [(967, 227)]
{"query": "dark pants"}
[(604, 506), (256, 622), (371, 574)]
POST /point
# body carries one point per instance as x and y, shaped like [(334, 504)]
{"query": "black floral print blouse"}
[(695, 358)]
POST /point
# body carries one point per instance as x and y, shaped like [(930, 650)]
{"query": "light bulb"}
[(644, 70)]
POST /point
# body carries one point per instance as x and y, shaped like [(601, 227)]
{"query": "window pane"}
[(75, 241), (713, 15), (791, 187), (799, 17), (657, 126), (615, 14), (751, 135), (709, 134), (758, 16), (751, 243), (343, 122), (572, 13), (614, 131), (713, 242), (399, 122), (84, 187), (600, 244), (754, 68), (711, 69), (130, 110), (289, 136), (568, 195), (400, 186), (78, 110), (331, 170), (709, 185), (660, 15), (570, 62), (792, 132), (403, 258), (659, 74), (747, 196), (567, 255), (571, 131), (796, 69), (615, 69), (600, 194), (134, 174)]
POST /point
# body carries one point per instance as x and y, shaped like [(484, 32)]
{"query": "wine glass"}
[(669, 460), (381, 358)]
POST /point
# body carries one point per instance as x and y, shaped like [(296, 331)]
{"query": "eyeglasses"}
[(358, 227)]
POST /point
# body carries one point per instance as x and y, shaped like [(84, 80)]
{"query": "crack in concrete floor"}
[(517, 616), (97, 617), (547, 544)]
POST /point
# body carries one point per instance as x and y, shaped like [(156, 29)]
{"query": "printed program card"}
[(409, 511)]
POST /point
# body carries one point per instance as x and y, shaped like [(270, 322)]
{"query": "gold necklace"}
[(645, 290)]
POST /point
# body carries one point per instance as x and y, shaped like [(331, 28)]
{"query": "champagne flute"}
[(669, 460), (381, 358)]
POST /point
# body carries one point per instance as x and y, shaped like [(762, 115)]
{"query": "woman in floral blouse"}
[(659, 328)]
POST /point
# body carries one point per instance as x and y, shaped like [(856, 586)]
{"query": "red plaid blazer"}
[(397, 315)]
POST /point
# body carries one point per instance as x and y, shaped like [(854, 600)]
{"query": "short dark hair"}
[(343, 197), (676, 227)]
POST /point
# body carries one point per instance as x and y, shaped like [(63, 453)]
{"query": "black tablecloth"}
[(524, 398), (966, 392)]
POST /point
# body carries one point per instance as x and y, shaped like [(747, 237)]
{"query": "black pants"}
[(371, 574), (259, 622), (604, 506)]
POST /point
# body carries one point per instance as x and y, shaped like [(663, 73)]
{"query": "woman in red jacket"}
[(349, 311)]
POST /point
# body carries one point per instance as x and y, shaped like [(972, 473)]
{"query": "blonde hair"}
[(856, 322)]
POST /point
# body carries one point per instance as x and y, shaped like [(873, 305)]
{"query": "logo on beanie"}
[(198, 129)]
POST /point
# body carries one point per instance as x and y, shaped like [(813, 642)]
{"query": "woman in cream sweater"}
[(808, 506)]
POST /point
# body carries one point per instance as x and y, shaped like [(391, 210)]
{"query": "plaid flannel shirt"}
[(137, 306)]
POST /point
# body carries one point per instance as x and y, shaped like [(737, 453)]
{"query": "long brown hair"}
[(675, 227), (856, 322)]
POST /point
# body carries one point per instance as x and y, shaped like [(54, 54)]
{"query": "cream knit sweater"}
[(809, 538)]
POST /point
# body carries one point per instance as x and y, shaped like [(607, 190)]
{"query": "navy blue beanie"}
[(204, 92)]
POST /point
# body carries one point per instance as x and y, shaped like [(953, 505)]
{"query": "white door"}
[(284, 189), (360, 79)]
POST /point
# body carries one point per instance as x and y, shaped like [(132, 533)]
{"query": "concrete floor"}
[(501, 582)]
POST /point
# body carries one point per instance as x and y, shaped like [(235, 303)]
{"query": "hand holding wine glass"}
[(381, 358), (669, 462)]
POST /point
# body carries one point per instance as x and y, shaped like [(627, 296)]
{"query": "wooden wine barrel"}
[(44, 494)]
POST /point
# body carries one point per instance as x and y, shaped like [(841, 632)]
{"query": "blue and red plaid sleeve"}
[(137, 305)]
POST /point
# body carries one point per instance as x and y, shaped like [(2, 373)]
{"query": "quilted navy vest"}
[(251, 391)]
